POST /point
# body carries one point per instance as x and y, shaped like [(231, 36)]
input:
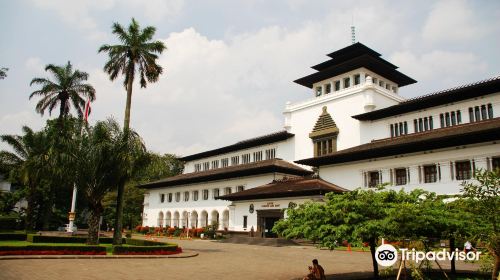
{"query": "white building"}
[(355, 130)]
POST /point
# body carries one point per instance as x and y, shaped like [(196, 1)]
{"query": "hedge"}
[(10, 223), (13, 236), (147, 250), (65, 239), (142, 242), (52, 250)]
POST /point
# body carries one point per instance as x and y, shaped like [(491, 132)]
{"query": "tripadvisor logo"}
[(387, 255)]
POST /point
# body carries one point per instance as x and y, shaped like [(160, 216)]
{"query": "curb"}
[(183, 255)]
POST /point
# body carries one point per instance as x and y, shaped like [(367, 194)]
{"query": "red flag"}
[(87, 110)]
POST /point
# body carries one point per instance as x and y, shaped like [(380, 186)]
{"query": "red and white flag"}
[(87, 110)]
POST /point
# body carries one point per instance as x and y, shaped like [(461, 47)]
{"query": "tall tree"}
[(27, 164), (101, 163), (136, 53), (68, 88), (156, 167)]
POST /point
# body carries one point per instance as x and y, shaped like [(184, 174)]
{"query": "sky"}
[(230, 65)]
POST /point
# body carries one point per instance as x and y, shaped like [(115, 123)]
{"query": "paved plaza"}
[(215, 261)]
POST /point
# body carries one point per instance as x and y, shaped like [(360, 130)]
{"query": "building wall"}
[(242, 208), (300, 117), (379, 129), (153, 205), (351, 175), (282, 150)]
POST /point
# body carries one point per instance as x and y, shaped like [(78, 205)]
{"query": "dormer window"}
[(319, 91), (328, 88), (357, 79), (347, 82), (324, 135), (336, 85)]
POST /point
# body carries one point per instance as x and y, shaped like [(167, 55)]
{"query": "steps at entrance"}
[(276, 242)]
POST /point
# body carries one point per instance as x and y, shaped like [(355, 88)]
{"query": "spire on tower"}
[(353, 34)]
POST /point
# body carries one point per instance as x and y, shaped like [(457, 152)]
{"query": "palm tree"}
[(136, 53), (67, 89), (3, 72), (27, 163), (101, 162)]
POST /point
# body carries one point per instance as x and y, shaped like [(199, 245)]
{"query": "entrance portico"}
[(266, 220)]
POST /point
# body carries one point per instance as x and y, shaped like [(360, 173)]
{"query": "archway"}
[(194, 219), (160, 219), (214, 218), (168, 219), (185, 217), (225, 219), (204, 218), (176, 219)]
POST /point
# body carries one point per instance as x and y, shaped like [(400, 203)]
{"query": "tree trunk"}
[(117, 235), (496, 268), (374, 261), (452, 261), (128, 104), (93, 222), (30, 210)]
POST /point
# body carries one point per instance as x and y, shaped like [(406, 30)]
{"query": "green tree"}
[(27, 164), (368, 215), (68, 88), (156, 167), (103, 158), (3, 73), (482, 198), (136, 53)]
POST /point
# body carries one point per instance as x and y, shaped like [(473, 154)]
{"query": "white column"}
[(413, 170), (385, 178), (232, 217), (453, 171), (445, 168), (72, 214), (481, 163)]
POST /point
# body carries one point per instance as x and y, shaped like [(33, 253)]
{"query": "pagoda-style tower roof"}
[(325, 126), (352, 57)]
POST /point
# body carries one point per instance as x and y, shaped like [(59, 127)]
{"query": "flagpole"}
[(72, 213)]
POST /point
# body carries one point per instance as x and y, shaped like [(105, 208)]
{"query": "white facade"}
[(201, 212), (365, 91)]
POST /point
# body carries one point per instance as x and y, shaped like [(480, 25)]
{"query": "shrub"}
[(170, 231), (147, 250), (65, 239), (198, 232), (52, 250), (141, 242), (9, 222), (13, 236), (177, 231)]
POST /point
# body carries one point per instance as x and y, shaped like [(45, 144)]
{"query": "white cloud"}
[(157, 10), (81, 14), (453, 21), (35, 65), (78, 13), (442, 67)]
